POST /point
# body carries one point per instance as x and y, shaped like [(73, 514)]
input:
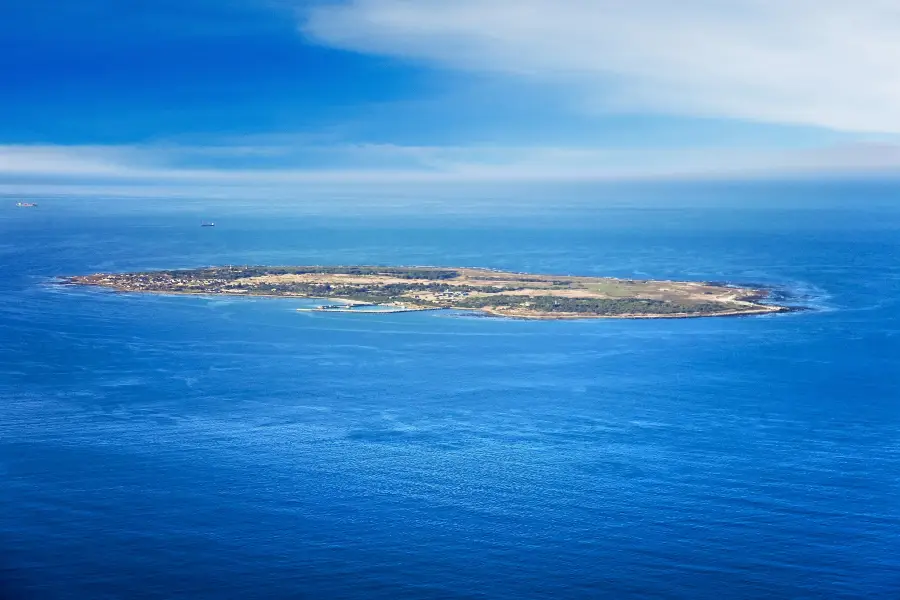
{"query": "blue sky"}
[(283, 92)]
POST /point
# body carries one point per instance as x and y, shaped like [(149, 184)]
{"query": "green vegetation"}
[(606, 306), (231, 273)]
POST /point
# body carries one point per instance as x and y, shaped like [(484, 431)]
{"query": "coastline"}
[(754, 309)]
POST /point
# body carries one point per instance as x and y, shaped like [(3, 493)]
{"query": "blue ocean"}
[(208, 447)]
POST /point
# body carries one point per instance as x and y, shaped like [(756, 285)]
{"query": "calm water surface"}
[(162, 447)]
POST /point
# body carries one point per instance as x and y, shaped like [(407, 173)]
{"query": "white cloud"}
[(162, 169), (829, 63), (80, 161)]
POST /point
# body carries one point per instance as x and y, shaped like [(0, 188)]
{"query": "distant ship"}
[(205, 224), (26, 204)]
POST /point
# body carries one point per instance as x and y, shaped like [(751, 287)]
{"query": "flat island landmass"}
[(496, 293)]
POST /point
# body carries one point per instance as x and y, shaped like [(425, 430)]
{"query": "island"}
[(489, 292)]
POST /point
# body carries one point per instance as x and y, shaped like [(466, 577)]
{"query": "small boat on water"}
[(207, 224), (26, 204)]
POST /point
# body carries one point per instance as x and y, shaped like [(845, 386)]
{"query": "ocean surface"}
[(203, 447)]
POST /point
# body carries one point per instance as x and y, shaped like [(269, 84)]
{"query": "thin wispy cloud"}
[(76, 161), (288, 167), (828, 63)]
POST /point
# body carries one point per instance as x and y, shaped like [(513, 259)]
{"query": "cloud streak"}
[(288, 168), (827, 63)]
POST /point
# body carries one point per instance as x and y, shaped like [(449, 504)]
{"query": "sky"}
[(251, 94)]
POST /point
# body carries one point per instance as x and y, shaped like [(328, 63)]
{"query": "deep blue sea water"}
[(188, 447)]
